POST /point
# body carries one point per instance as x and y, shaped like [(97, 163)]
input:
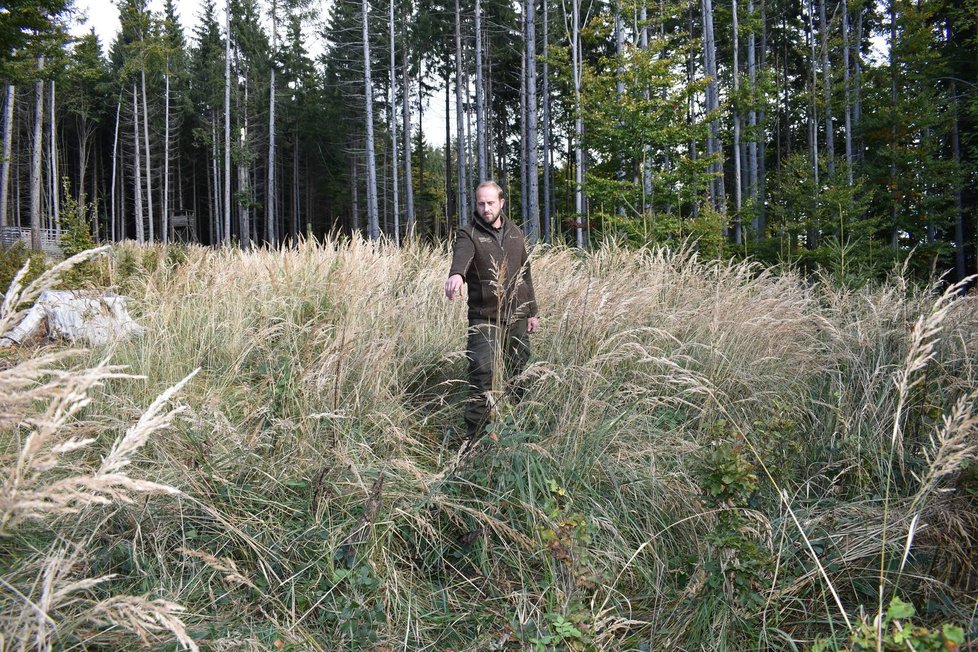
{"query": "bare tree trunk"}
[(217, 210), (547, 187), (115, 151), (578, 123), (480, 121), (392, 104), (355, 199), (149, 164), (713, 144), (406, 117), (959, 244), (752, 120), (812, 239), (35, 180), (8, 129), (449, 197), (137, 179), (524, 142), (244, 189), (894, 213), (532, 218), (53, 163), (463, 204), (165, 222), (271, 227), (227, 125), (373, 223), (738, 199), (827, 89), (690, 108), (848, 93)]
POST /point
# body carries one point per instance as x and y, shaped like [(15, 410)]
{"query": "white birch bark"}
[(53, 162)]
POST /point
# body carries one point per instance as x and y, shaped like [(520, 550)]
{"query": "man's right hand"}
[(453, 286)]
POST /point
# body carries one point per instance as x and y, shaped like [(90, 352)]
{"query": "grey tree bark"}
[(391, 105), (137, 179), (847, 90), (271, 225), (227, 125), (406, 116), (115, 150), (36, 145), (8, 129), (545, 102), (463, 204), (165, 222), (578, 123), (373, 223), (532, 217), (480, 121), (149, 164), (55, 172), (738, 177), (827, 89)]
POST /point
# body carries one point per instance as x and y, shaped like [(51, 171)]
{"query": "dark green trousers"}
[(492, 344)]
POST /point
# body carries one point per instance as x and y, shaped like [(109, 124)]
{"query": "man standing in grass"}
[(490, 257)]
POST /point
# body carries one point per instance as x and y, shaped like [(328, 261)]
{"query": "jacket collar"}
[(480, 224)]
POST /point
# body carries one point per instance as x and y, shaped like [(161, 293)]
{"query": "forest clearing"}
[(710, 456)]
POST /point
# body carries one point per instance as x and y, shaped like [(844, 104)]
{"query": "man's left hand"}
[(532, 324)]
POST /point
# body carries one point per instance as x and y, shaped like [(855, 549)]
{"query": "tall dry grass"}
[(323, 502)]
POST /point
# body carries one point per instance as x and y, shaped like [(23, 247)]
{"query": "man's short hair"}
[(490, 184)]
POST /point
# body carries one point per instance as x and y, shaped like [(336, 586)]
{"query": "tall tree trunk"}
[(355, 196), (463, 203), (857, 105), (959, 243), (532, 218), (827, 90), (524, 142), (752, 120), (373, 223), (149, 163), (812, 239), (547, 186), (714, 147), (271, 226), (406, 117), (115, 151), (137, 179), (392, 107), (619, 92), (449, 188), (690, 110), (53, 163), (244, 188), (165, 222), (227, 125), (217, 209), (578, 123), (848, 93), (36, 145), (8, 130), (894, 212), (480, 122), (738, 177), (760, 193)]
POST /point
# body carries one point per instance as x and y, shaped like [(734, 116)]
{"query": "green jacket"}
[(496, 267)]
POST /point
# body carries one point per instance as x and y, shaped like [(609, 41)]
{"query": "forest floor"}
[(709, 456)]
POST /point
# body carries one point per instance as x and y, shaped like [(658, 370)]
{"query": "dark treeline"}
[(838, 134)]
